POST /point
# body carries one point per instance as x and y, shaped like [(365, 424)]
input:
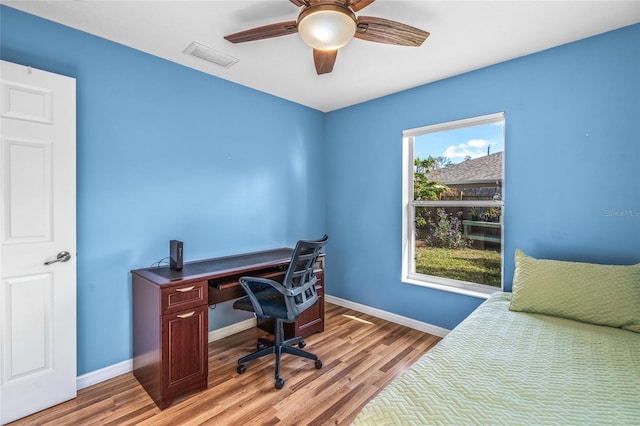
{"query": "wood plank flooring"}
[(360, 353)]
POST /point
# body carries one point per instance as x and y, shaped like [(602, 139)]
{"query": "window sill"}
[(480, 293)]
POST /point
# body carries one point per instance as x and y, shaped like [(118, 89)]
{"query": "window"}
[(453, 180)]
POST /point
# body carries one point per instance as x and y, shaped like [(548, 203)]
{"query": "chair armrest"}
[(251, 285), (281, 289)]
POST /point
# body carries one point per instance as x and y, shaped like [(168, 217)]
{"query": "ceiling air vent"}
[(208, 54)]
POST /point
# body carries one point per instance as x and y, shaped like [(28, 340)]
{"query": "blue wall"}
[(165, 152), (572, 175)]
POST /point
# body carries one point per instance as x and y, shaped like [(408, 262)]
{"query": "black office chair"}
[(284, 303)]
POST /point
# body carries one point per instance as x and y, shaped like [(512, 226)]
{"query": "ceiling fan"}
[(328, 25)]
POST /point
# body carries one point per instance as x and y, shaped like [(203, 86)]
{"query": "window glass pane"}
[(455, 197), (450, 244), (455, 146)]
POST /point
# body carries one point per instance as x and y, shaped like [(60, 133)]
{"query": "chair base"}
[(278, 347)]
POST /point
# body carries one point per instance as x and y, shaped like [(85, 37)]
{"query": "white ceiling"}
[(465, 35)]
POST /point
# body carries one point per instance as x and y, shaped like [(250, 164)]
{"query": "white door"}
[(38, 224)]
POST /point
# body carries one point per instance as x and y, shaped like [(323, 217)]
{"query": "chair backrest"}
[(300, 278)]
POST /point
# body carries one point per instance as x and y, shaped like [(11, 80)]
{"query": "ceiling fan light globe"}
[(327, 29)]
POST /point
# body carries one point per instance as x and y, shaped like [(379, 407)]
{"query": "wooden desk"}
[(170, 317)]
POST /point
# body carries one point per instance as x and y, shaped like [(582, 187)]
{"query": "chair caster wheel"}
[(241, 369), (318, 364), (279, 383), (302, 344)]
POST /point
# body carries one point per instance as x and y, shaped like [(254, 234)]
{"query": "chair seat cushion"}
[(271, 300)]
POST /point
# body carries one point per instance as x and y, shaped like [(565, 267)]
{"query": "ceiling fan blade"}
[(266, 31), (357, 5), (324, 60), (299, 3), (389, 32)]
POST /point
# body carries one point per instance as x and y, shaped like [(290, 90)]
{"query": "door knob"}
[(63, 256)]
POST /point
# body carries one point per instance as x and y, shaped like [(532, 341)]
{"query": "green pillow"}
[(597, 294)]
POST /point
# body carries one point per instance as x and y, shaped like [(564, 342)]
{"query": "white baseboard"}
[(126, 366), (123, 367), (103, 374), (394, 318)]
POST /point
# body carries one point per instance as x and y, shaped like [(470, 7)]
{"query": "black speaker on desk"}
[(175, 255)]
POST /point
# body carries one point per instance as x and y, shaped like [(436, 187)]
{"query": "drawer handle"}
[(185, 289), (190, 314)]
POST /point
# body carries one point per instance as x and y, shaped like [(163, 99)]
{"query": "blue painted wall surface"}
[(165, 152), (572, 155)]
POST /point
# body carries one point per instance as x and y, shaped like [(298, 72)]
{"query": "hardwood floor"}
[(361, 354)]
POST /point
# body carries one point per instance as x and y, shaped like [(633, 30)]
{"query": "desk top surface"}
[(218, 267)]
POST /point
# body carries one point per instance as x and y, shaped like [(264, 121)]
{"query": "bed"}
[(507, 363)]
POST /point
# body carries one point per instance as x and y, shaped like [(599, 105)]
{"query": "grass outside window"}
[(464, 264)]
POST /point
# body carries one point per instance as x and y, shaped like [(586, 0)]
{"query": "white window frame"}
[(409, 205)]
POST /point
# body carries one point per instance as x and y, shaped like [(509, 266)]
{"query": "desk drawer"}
[(185, 296)]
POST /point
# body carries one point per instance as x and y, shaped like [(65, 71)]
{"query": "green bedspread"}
[(503, 367)]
